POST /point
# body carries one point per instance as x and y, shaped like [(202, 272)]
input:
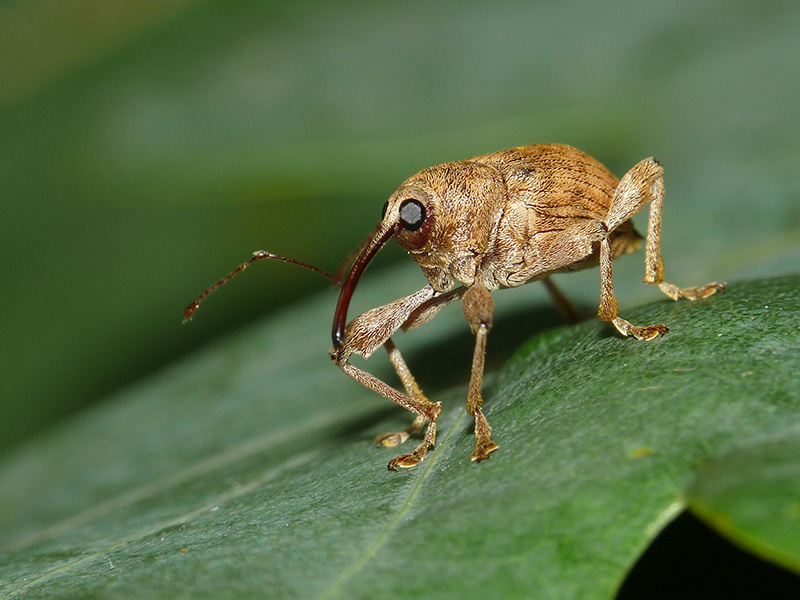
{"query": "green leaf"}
[(248, 471), (752, 496), (147, 147)]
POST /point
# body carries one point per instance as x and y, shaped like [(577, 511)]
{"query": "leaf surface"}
[(249, 471)]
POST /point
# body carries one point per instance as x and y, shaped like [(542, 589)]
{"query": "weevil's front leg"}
[(642, 184), (422, 407), (478, 308), (363, 336), (421, 314)]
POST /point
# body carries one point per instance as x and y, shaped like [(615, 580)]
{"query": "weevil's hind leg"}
[(478, 308), (654, 265), (638, 187), (642, 184), (412, 389), (609, 305)]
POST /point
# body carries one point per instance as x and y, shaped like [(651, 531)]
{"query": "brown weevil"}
[(494, 221)]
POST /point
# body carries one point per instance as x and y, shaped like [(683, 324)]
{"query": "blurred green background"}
[(146, 148)]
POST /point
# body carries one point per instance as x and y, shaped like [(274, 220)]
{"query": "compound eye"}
[(412, 214)]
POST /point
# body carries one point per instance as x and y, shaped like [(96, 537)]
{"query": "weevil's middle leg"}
[(478, 308), (642, 184), (563, 304), (483, 432)]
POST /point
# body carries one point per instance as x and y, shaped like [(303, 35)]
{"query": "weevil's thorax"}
[(463, 204)]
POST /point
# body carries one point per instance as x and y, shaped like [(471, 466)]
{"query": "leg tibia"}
[(609, 305), (478, 305)]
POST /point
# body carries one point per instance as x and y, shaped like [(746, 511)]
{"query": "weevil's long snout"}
[(369, 249)]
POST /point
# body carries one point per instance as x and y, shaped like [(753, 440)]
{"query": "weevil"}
[(493, 221)]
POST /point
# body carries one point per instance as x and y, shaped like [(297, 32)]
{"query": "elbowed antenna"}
[(368, 249), (189, 311)]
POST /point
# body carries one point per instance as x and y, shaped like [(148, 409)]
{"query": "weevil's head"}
[(443, 217)]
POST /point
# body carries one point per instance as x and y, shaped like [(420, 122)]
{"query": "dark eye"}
[(383, 210), (412, 214)]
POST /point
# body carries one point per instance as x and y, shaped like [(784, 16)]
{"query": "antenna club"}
[(189, 311)]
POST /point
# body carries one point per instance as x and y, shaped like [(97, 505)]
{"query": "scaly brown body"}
[(530, 196), (497, 220)]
